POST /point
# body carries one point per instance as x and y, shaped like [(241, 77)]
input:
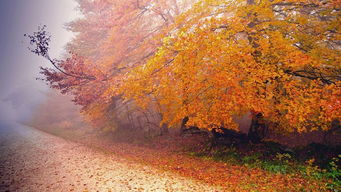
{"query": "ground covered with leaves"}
[(228, 167), (32, 160)]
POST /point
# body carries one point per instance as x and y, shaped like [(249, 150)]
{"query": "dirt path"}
[(31, 160)]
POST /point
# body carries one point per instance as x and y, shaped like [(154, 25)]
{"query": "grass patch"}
[(274, 161)]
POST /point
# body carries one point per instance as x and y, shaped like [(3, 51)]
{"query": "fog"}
[(20, 92)]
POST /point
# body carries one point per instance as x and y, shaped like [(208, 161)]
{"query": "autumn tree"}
[(208, 60), (276, 59), (112, 38)]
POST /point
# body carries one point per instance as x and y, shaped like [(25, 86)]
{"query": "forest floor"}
[(165, 159), (32, 160)]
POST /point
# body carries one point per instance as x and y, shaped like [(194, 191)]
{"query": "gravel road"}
[(31, 160)]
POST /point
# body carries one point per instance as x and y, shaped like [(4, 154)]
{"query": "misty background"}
[(20, 92)]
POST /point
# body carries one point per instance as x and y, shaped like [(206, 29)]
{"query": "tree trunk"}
[(183, 124), (164, 129), (258, 129)]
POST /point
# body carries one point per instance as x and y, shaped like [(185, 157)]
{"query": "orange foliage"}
[(210, 60), (226, 58)]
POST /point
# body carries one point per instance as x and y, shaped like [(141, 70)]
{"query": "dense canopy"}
[(209, 60)]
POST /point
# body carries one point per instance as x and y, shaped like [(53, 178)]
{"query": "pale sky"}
[(19, 91)]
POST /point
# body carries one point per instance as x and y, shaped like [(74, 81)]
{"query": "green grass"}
[(281, 163)]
